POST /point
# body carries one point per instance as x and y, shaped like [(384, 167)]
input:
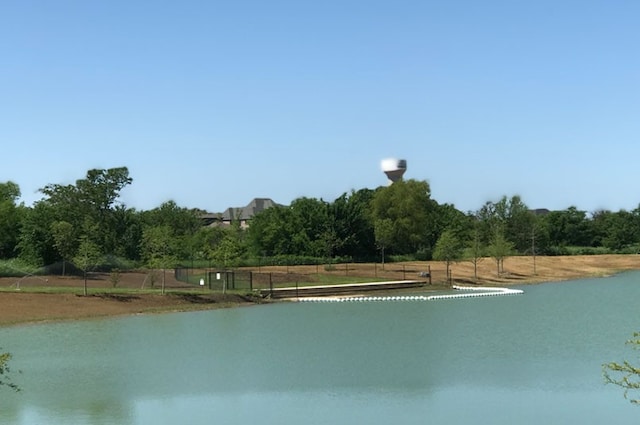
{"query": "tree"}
[(448, 249), (36, 243), (92, 199), (311, 227), (624, 374), (65, 240), (158, 250), (569, 228), (87, 258), (615, 231), (499, 249), (10, 219), (354, 226), (383, 229), (5, 370), (408, 204), (510, 216), (227, 252), (183, 224), (270, 232), (474, 251)]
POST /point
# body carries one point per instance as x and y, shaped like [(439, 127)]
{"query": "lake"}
[(534, 358)]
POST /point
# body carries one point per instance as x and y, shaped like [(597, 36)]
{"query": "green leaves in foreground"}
[(5, 380), (624, 374)]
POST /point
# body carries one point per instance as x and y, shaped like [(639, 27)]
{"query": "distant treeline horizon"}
[(86, 223)]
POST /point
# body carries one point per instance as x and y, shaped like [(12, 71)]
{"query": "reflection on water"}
[(501, 357)]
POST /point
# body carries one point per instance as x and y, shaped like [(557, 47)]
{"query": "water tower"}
[(394, 168)]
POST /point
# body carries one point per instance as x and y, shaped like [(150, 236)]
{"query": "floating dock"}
[(332, 290)]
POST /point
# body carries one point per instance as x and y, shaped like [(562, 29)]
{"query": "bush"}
[(401, 258), (588, 250), (555, 250), (424, 254)]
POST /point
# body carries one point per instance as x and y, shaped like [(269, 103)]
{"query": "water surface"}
[(527, 359)]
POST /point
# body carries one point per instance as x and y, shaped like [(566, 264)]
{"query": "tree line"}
[(85, 224)]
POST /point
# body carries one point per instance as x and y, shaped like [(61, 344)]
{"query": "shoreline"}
[(25, 307), (33, 308)]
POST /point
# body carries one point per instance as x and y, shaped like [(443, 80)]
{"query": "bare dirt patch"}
[(25, 300)]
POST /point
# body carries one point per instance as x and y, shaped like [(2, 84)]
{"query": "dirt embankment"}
[(19, 304)]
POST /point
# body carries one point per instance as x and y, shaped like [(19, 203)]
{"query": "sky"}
[(213, 103)]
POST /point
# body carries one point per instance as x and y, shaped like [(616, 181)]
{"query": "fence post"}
[(404, 272), (429, 268), (270, 286)]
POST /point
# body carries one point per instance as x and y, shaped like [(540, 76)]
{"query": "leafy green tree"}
[(204, 239), (311, 227), (512, 217), (5, 370), (520, 221), (625, 374), (65, 240), (569, 228), (353, 225), (87, 258), (93, 199), (100, 189), (36, 244), (499, 249), (10, 219), (158, 249), (408, 204), (271, 232), (448, 249), (182, 225), (228, 252), (615, 230), (126, 234), (383, 229)]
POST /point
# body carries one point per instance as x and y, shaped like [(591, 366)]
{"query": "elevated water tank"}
[(394, 168)]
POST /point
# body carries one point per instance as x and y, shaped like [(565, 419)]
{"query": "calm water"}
[(529, 359)]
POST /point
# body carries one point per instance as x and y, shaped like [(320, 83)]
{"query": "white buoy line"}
[(469, 292)]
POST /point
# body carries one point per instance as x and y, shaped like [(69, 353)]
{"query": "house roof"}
[(245, 213)]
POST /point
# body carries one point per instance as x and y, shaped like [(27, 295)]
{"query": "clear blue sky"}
[(212, 103)]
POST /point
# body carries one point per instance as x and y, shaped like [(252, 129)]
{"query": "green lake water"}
[(524, 359)]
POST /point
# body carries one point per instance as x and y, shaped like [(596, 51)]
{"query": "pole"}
[(533, 249)]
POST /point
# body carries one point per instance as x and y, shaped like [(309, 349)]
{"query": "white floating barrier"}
[(470, 292)]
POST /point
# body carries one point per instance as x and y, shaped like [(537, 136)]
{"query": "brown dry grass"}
[(517, 270), (31, 305)]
